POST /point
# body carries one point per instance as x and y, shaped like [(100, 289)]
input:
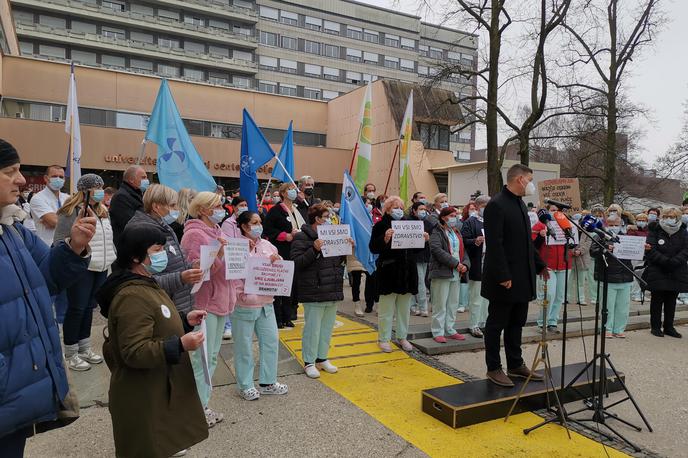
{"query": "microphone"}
[(592, 224), (564, 224), (545, 218), (559, 205)]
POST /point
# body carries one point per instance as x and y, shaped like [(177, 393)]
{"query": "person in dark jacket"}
[(32, 375), (280, 226), (127, 200), (319, 285), (448, 262), (667, 269), (153, 399), (472, 233), (396, 275), (619, 281), (510, 266), (419, 303)]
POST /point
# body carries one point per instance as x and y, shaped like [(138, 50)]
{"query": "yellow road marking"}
[(387, 387)]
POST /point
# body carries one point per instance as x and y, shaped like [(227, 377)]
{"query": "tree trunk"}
[(609, 187), (494, 173), (524, 146)]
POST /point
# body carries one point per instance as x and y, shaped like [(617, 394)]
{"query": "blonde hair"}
[(439, 196), (184, 197), (671, 211), (76, 200), (615, 208), (203, 201), (158, 194), (391, 200), (642, 216)]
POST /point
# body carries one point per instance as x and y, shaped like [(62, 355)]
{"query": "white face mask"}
[(530, 189)]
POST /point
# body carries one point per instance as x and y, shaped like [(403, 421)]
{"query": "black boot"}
[(672, 333), (657, 332)]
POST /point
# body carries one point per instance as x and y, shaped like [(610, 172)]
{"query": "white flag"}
[(72, 127)]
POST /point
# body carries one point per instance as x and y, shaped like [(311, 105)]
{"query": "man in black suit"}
[(508, 279)]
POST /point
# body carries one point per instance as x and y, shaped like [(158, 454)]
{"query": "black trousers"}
[(12, 445), (369, 291), (668, 300), (509, 317), (82, 301)]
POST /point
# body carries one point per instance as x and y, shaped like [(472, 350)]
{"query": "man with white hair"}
[(128, 199)]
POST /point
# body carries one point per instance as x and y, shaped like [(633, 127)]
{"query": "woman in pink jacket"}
[(216, 295), (255, 313)]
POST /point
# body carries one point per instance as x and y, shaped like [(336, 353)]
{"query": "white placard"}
[(204, 354), (482, 231), (630, 247), (208, 254), (560, 237), (236, 253), (268, 279), (407, 234), (336, 240)]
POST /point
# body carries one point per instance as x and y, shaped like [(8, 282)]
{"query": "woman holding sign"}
[(255, 313), (216, 295), (319, 287), (397, 276)]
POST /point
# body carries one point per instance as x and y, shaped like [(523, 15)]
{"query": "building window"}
[(51, 51), (288, 66), (168, 15), (112, 61), (83, 57), (311, 93), (194, 20), (242, 55), (329, 95), (332, 27), (168, 70), (353, 55), (370, 58), (26, 48), (218, 130), (194, 47), (23, 17), (267, 63), (141, 64), (371, 36), (312, 47), (243, 4), (194, 74), (314, 23), (391, 62), (289, 18), (115, 34), (434, 136), (218, 78), (407, 43), (141, 9), (114, 5), (353, 77), (287, 89), (312, 70), (51, 21), (423, 50), (290, 43), (392, 40), (168, 43), (218, 50), (131, 121), (436, 53), (240, 30), (331, 73), (268, 38), (83, 27), (453, 56), (423, 70), (407, 65), (269, 13), (354, 32), (141, 37), (267, 86), (241, 81), (331, 51), (218, 24)]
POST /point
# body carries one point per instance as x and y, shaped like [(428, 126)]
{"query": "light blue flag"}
[(354, 213), (286, 158), (255, 153), (179, 165)]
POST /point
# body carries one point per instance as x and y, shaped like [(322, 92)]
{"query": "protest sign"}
[(335, 239), (207, 257), (631, 247), (564, 190), (204, 354), (559, 236), (268, 278), (236, 252), (407, 234)]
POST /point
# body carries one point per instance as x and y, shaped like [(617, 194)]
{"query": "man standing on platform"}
[(508, 281)]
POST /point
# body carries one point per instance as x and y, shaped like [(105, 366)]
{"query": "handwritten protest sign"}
[(407, 234), (236, 252), (565, 190), (336, 240), (268, 279), (207, 257), (630, 247)]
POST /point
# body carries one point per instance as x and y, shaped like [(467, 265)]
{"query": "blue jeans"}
[(319, 320), (60, 303), (82, 301), (246, 321)]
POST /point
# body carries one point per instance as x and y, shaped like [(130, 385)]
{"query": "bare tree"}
[(674, 163)]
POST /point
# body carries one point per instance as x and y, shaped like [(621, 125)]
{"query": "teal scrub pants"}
[(445, 301), (592, 285), (464, 297), (215, 325), (477, 304), (246, 321), (618, 305), (319, 320), (420, 300), (389, 303), (577, 281), (555, 295)]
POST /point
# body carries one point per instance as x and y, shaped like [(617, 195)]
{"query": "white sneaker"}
[(385, 347), (75, 363), (227, 335), (405, 345), (358, 310), (424, 314), (275, 388), (91, 357), (312, 371), (327, 366), (250, 394), (181, 452), (212, 417), (461, 310)]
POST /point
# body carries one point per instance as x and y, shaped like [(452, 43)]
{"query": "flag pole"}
[(143, 149), (353, 156), (266, 190), (391, 167), (285, 170)]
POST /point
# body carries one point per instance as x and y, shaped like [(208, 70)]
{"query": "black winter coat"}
[(471, 230), (667, 268), (276, 222), (396, 270), (124, 204), (318, 279), (615, 271), (510, 252)]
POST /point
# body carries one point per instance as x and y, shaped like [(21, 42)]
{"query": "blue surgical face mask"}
[(684, 218), (614, 229), (641, 224), (144, 184), (217, 216), (652, 217), (422, 214), (336, 210), (240, 210), (473, 213), (671, 222), (453, 221), (424, 201), (397, 213), (256, 231), (291, 194), (171, 217), (98, 195), (56, 183), (444, 205), (158, 262), (369, 207), (577, 216), (276, 200)]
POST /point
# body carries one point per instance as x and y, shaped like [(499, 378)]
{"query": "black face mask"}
[(308, 191)]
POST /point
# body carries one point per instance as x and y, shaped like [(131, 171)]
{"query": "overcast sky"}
[(659, 77)]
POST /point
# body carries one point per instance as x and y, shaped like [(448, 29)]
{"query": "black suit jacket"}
[(510, 254), (124, 204)]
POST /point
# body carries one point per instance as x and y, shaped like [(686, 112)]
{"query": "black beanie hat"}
[(135, 241), (8, 154)]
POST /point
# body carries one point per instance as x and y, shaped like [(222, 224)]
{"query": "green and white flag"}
[(364, 143), (404, 142)]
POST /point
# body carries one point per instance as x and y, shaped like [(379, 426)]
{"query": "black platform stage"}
[(469, 403)]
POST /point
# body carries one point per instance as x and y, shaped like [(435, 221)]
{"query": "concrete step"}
[(531, 334)]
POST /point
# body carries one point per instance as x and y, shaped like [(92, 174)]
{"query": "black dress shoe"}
[(672, 333), (369, 309), (280, 325), (289, 324), (657, 332)]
